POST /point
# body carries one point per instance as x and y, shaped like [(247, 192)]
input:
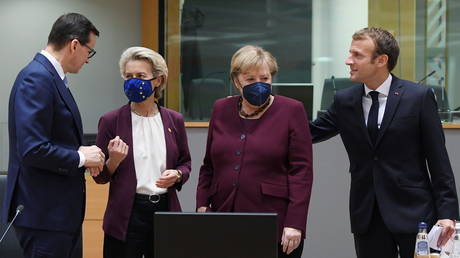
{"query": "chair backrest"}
[(302, 92), (9, 247), (204, 92), (331, 85), (441, 97)]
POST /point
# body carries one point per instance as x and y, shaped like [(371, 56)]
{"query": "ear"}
[(237, 85), (382, 60), (158, 81), (73, 45)]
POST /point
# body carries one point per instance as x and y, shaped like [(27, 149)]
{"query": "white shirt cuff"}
[(82, 159)]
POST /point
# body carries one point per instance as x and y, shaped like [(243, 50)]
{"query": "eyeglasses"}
[(92, 52)]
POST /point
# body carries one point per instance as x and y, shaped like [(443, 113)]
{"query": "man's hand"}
[(94, 171), (95, 158), (448, 228), (168, 178), (290, 239)]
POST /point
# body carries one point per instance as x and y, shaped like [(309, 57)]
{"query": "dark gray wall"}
[(328, 226)]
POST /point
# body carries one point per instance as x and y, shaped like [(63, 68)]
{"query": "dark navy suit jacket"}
[(123, 182), (407, 172), (45, 132)]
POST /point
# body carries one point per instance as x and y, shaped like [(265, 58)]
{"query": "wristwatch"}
[(179, 175)]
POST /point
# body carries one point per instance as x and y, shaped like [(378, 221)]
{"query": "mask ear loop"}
[(156, 90), (237, 85)]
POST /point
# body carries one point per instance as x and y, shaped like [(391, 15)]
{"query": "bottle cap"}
[(422, 225)]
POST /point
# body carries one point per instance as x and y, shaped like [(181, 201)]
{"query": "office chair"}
[(10, 246), (441, 97), (204, 92), (331, 85)]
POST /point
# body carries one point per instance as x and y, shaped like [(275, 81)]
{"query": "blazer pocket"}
[(280, 191), (402, 118), (410, 184)]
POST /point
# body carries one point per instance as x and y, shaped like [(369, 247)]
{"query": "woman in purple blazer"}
[(147, 157), (259, 152)]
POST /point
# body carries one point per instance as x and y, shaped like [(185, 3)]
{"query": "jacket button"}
[(238, 153), (237, 167), (242, 136), (235, 184)]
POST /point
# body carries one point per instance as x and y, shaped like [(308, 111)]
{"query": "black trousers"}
[(379, 242), (139, 240), (48, 244), (297, 253)]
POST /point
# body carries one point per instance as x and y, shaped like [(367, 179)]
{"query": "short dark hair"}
[(385, 44), (68, 27)]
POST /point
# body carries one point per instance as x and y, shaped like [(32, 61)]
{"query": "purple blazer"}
[(123, 182), (262, 165)]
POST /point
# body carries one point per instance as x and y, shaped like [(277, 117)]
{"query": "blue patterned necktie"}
[(66, 82), (372, 119)]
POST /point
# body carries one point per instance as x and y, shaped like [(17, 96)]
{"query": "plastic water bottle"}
[(456, 249), (421, 243)]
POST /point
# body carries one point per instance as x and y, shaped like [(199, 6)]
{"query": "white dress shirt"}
[(58, 67), (383, 91), (149, 151)]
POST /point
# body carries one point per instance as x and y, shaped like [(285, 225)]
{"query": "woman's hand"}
[(168, 178), (118, 150), (448, 228), (290, 239), (202, 209)]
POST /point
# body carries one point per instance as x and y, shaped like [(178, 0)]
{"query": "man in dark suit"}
[(400, 170), (46, 156)]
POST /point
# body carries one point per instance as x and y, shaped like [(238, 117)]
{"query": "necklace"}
[(260, 109), (146, 115)]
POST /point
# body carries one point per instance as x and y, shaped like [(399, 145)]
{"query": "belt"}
[(154, 198)]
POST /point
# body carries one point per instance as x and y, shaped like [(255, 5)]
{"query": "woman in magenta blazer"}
[(259, 152), (147, 157)]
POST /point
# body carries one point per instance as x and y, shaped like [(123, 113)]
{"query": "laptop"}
[(215, 235)]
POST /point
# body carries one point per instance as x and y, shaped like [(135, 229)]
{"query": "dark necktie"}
[(372, 119)]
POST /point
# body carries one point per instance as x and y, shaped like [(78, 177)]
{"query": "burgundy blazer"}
[(262, 165), (123, 182)]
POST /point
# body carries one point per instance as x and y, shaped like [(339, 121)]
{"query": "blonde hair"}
[(156, 61), (249, 57)]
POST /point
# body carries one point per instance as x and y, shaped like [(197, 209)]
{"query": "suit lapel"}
[(394, 96), (168, 127), (65, 94), (357, 103), (124, 129), (72, 104)]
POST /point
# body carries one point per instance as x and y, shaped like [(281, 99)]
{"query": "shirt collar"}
[(384, 88), (57, 66)]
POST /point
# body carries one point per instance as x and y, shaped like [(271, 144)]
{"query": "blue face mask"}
[(138, 90), (257, 93)]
